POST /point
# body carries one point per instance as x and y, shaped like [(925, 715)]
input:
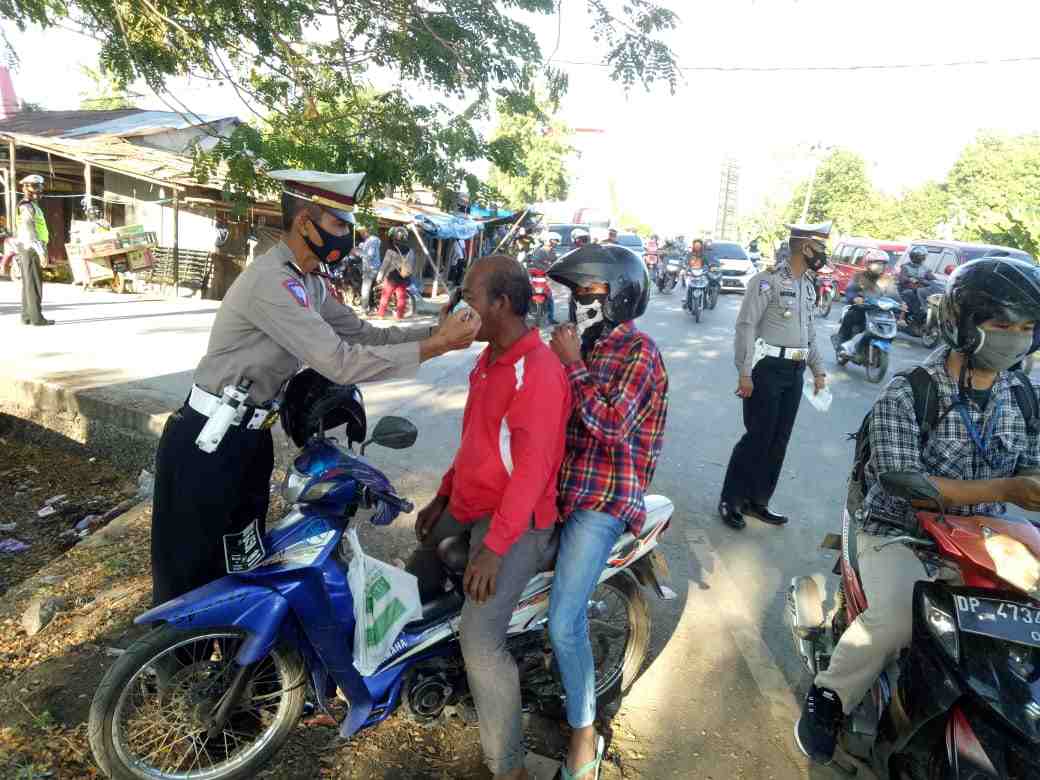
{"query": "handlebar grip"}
[(402, 504)]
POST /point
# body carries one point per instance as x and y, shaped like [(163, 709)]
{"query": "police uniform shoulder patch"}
[(297, 291), (763, 286)]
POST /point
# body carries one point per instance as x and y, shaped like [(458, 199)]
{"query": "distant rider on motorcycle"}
[(579, 237), (988, 318), (652, 255), (865, 284), (916, 283), (542, 258)]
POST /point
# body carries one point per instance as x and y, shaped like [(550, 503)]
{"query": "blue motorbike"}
[(871, 347), (216, 687)]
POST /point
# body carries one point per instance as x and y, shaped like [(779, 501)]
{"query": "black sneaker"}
[(816, 732)]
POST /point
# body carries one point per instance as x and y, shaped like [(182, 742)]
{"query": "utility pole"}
[(817, 147), (726, 217)]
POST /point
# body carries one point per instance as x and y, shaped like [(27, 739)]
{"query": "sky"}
[(664, 151)]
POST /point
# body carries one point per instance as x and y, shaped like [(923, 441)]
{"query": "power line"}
[(812, 68)]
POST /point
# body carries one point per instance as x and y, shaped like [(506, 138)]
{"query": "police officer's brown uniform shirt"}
[(769, 295), (276, 318)]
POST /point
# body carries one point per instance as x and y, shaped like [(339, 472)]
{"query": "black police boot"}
[(816, 732), (731, 515), (763, 513)]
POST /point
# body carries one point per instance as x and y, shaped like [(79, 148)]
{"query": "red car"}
[(847, 260)]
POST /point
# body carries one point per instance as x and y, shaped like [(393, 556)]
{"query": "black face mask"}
[(333, 248)]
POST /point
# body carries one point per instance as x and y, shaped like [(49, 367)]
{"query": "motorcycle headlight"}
[(293, 485), (942, 627), (1014, 563)]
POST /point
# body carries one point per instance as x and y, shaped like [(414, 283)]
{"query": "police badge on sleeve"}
[(297, 291)]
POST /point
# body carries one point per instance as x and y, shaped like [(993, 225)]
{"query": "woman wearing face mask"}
[(619, 388), (864, 285), (980, 456)]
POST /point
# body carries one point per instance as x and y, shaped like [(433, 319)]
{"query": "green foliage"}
[(301, 65), (995, 191), (530, 151), (841, 191), (105, 94)]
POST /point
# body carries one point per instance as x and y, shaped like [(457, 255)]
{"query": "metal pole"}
[(425, 251), (12, 189), (437, 276), (176, 247), (808, 194), (88, 174), (512, 231)]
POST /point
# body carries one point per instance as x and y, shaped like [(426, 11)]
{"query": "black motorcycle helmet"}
[(997, 288), (314, 403), (620, 269), (918, 255)]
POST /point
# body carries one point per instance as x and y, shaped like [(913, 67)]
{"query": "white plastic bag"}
[(821, 400), (385, 599)]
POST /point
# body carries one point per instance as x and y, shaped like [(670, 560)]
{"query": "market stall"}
[(100, 253)]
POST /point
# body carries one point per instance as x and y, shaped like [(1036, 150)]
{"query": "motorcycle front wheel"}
[(148, 717), (713, 297), (826, 302), (876, 364)]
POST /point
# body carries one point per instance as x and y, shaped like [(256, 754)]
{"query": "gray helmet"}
[(918, 255), (620, 269)]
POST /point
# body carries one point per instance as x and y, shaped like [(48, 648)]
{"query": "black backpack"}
[(926, 410)]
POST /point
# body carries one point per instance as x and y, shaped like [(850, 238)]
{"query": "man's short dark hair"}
[(291, 206), (507, 278)]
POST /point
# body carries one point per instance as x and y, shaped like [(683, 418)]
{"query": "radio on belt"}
[(223, 416)]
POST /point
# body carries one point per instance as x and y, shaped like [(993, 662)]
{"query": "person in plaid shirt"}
[(619, 387), (980, 457)]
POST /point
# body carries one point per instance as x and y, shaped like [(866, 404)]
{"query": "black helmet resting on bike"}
[(314, 403), (993, 288), (620, 269), (918, 255)]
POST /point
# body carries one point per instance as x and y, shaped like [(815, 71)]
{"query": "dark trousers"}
[(32, 286), (853, 321), (199, 497), (769, 415)]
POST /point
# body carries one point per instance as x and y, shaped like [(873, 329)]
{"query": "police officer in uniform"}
[(775, 340), (32, 238), (278, 314)]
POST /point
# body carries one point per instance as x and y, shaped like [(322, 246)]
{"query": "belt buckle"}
[(269, 421)]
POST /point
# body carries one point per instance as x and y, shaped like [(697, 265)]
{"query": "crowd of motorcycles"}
[(701, 285)]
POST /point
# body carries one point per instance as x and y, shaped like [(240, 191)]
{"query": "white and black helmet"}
[(620, 269)]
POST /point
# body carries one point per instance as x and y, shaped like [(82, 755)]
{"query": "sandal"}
[(593, 766)]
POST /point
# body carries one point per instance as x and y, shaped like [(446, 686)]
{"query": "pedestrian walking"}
[(32, 249), (213, 480), (775, 340)]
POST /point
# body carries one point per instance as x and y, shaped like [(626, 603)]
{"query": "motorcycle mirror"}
[(395, 433), (911, 485)]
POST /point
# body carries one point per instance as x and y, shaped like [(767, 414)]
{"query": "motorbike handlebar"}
[(401, 504)]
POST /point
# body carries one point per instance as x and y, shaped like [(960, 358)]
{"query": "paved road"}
[(720, 694)]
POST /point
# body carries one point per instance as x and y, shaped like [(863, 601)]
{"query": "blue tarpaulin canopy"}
[(447, 225), (438, 223), (479, 212)]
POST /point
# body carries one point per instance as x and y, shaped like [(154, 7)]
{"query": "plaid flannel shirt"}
[(616, 428), (895, 442)]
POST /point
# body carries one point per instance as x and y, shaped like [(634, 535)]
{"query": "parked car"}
[(847, 260), (633, 242), (565, 230), (737, 266), (944, 256)]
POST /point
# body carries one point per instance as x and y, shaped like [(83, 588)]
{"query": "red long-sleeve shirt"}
[(512, 445)]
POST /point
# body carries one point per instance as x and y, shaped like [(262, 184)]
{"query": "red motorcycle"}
[(825, 291), (541, 295), (963, 701)]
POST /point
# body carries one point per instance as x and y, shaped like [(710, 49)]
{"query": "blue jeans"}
[(586, 539)]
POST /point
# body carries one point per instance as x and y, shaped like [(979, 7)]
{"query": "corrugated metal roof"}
[(56, 123), (143, 123), (115, 154)]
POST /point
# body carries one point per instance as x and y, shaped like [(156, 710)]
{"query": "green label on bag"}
[(377, 588), (377, 630)]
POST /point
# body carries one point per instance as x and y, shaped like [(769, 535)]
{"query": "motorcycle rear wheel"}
[(615, 675), (197, 667), (876, 364)]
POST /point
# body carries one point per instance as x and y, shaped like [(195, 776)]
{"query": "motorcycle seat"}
[(454, 553), (436, 609)]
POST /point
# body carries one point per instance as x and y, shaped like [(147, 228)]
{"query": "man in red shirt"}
[(501, 491)]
